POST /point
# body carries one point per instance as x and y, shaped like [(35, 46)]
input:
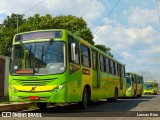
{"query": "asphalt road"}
[(126, 107)]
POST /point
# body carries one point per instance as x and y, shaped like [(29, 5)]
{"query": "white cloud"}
[(153, 50), (138, 48), (89, 10), (142, 17), (1, 20)]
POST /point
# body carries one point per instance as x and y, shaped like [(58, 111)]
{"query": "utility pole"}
[(17, 23)]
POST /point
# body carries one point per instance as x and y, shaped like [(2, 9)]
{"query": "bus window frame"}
[(74, 63), (89, 56)]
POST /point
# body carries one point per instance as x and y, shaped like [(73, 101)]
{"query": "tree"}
[(104, 49), (72, 23), (8, 30), (75, 25)]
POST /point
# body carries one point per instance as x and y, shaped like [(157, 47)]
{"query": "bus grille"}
[(27, 98), (40, 82)]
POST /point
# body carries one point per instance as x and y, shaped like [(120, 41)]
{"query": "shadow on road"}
[(124, 104)]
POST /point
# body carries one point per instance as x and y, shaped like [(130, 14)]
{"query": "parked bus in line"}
[(134, 85), (56, 66), (150, 87)]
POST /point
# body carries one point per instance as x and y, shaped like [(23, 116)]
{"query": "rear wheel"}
[(85, 99), (134, 96), (115, 95), (114, 99), (41, 105)]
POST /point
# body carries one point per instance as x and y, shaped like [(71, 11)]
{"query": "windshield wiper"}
[(49, 44), (42, 59), (44, 53)]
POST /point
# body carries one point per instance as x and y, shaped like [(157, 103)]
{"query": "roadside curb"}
[(13, 107)]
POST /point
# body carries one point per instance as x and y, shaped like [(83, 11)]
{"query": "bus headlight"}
[(13, 89), (58, 88)]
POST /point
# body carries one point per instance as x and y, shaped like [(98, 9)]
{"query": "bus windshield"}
[(42, 58), (128, 82), (148, 86)]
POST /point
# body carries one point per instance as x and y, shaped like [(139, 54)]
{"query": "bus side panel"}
[(86, 78), (74, 86), (140, 89), (108, 83), (122, 92), (104, 88)]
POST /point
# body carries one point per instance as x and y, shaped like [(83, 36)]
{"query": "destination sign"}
[(38, 35)]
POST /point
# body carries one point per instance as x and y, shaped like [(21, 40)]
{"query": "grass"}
[(32, 106)]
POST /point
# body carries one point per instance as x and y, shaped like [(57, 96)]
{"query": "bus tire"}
[(115, 95), (114, 99), (41, 105), (85, 99), (134, 96)]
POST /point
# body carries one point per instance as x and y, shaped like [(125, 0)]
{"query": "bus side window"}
[(116, 69), (110, 67), (102, 63), (85, 56), (123, 71), (142, 81), (107, 65), (133, 81), (94, 60), (73, 65)]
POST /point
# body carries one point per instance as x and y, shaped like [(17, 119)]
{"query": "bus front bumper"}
[(58, 96), (149, 92)]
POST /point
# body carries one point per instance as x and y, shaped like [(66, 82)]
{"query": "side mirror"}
[(73, 52)]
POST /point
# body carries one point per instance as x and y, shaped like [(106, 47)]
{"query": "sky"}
[(131, 28)]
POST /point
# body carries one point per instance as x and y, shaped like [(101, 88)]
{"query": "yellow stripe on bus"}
[(35, 88)]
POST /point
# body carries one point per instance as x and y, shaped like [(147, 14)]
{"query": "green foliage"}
[(8, 30), (104, 49), (71, 23), (74, 24)]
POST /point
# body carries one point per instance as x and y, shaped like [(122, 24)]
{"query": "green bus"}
[(150, 87), (134, 85), (56, 66)]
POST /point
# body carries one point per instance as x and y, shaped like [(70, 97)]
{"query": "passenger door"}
[(95, 79)]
